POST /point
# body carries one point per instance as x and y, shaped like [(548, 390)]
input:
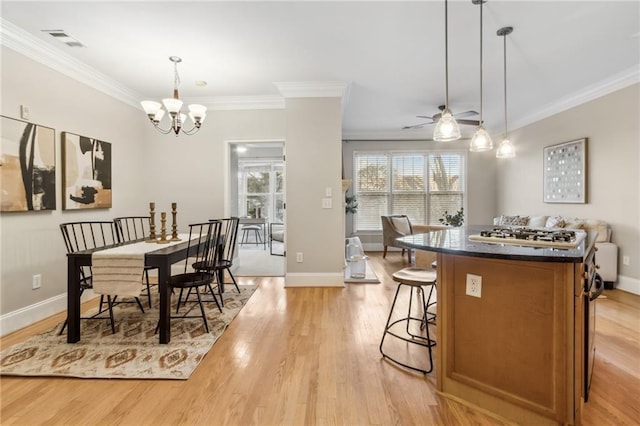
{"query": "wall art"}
[(86, 172), (565, 172), (27, 166)]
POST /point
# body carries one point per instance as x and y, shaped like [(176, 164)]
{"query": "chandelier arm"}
[(161, 130), (191, 131)]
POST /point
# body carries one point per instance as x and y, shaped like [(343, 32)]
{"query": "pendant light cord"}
[(481, 63), (446, 54), (504, 38)]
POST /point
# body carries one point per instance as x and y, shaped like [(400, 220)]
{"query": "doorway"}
[(257, 197)]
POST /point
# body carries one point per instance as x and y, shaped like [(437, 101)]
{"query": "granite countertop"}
[(456, 241)]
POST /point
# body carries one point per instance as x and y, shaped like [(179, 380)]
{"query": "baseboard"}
[(631, 285), (311, 279), (31, 314)]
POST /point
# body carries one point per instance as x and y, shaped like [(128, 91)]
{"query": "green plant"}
[(351, 205), (456, 219)]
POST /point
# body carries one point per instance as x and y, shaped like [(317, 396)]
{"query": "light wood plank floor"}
[(306, 357)]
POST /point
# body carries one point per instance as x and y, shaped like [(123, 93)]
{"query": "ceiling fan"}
[(435, 117)]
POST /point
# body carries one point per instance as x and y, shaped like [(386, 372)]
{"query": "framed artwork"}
[(86, 172), (565, 172), (27, 166)]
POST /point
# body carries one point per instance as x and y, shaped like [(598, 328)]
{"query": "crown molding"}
[(227, 103), (22, 42), (604, 87)]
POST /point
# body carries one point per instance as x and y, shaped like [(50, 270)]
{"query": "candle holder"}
[(163, 229), (174, 225), (152, 223)]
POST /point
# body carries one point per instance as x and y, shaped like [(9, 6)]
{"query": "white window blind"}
[(422, 185)]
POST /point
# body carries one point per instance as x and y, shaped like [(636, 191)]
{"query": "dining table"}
[(158, 256)]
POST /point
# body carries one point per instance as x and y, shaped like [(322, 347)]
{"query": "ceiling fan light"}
[(447, 129), (481, 141), (506, 149)]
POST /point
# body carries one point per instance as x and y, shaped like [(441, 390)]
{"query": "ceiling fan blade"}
[(465, 114), (425, 116), (415, 126), (469, 122)]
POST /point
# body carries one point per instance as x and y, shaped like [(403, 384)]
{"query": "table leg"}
[(73, 300), (165, 303)]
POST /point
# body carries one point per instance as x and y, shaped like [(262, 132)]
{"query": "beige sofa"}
[(607, 252)]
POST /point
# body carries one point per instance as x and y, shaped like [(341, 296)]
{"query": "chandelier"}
[(154, 110)]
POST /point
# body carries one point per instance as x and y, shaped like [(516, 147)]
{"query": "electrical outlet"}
[(36, 282), (299, 257), (474, 285), (327, 203), (626, 261)]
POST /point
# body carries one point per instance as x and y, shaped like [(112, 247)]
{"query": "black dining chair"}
[(203, 247), (132, 228), (225, 261), (80, 236)]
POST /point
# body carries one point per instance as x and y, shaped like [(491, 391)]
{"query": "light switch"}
[(327, 191)]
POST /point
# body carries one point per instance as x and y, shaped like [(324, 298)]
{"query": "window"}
[(422, 185), (261, 186)]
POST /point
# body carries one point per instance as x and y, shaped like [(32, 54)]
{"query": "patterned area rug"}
[(133, 352)]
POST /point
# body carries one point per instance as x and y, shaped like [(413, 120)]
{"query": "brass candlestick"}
[(174, 226), (163, 229), (152, 223)]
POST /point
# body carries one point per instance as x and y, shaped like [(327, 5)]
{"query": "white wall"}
[(612, 125), (31, 242), (313, 164)]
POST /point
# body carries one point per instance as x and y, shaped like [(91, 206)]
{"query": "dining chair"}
[(132, 228), (225, 260), (203, 247), (80, 236)]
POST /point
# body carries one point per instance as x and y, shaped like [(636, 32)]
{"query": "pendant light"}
[(506, 148), (481, 140), (447, 128)]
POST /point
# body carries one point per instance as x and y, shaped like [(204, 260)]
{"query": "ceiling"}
[(389, 54)]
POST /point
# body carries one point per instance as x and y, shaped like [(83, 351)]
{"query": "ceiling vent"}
[(60, 35)]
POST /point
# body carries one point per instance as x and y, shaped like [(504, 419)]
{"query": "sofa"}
[(607, 252)]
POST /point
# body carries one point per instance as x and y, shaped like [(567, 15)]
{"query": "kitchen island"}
[(511, 324)]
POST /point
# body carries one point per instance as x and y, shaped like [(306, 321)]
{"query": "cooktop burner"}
[(561, 238)]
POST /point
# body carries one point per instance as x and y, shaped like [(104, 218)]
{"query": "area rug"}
[(133, 352)]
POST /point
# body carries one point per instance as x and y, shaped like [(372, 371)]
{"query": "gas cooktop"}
[(531, 237)]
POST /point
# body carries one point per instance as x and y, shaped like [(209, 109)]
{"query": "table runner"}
[(118, 270)]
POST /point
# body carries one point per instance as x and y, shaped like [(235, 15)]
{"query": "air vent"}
[(60, 35)]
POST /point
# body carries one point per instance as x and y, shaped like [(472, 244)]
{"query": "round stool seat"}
[(415, 276)]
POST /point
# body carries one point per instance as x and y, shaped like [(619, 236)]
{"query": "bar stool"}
[(256, 233), (415, 279)]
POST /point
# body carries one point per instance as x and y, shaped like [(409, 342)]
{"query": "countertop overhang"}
[(456, 241)]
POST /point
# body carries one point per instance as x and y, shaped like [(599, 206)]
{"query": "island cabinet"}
[(515, 345)]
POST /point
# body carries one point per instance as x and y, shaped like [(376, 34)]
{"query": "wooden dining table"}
[(160, 257)]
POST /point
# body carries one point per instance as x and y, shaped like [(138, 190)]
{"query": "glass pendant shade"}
[(481, 140), (447, 128), (158, 116), (151, 108), (506, 149), (172, 105)]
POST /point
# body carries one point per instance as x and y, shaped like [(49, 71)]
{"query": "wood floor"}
[(309, 356)]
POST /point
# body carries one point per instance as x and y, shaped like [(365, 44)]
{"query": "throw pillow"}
[(538, 221), (574, 223), (514, 220), (402, 225), (554, 222)]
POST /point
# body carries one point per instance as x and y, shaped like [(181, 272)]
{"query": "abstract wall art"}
[(565, 172), (86, 176), (27, 166)]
